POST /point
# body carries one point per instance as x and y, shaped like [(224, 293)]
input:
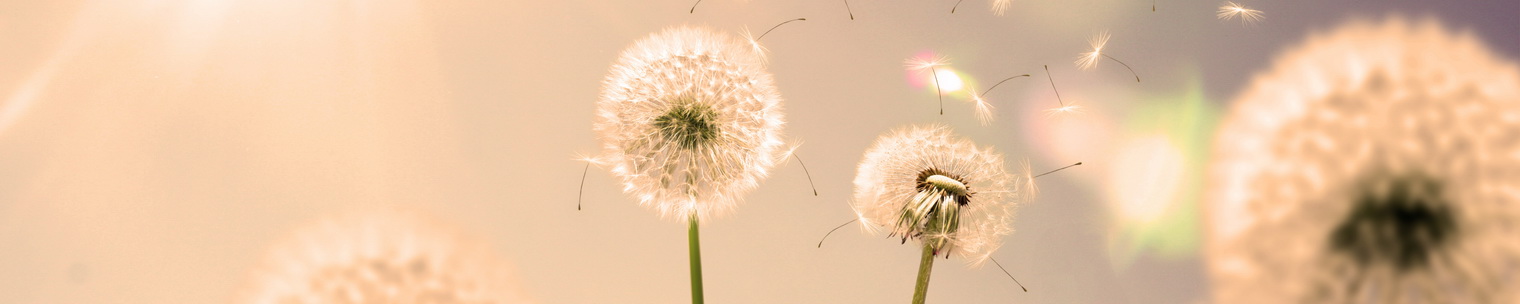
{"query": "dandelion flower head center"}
[(690, 124), (936, 179), (934, 214), (1399, 224)]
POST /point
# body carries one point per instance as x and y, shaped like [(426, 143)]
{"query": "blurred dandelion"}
[(926, 184), (1232, 10), (1090, 60), (690, 121), (1375, 163), (379, 257)]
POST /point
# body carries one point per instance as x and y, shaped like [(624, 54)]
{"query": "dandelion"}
[(379, 257), (1372, 164), (1232, 10), (926, 184), (690, 121), (1090, 60)]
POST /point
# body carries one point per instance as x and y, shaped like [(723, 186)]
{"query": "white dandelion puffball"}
[(382, 257), (1375, 163), (690, 121), (925, 183)]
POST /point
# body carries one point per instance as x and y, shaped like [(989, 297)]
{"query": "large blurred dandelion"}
[(690, 121), (952, 196), (382, 257), (1378, 163)]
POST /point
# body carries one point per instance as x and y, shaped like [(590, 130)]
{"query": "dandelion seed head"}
[(379, 257), (1376, 163), (1232, 10), (924, 183), (690, 121), (1090, 60)]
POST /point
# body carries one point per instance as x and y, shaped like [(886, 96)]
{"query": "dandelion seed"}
[(1063, 108), (1000, 6), (1068, 109), (943, 191), (1232, 10), (847, 9), (793, 152), (984, 112), (926, 63), (1372, 164), (380, 257), (932, 65), (754, 42), (1090, 60)]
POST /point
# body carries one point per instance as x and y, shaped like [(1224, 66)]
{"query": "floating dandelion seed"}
[(1063, 108), (1090, 60), (1372, 164), (383, 257), (1231, 10), (754, 42), (1000, 6), (932, 65), (847, 9), (690, 121), (925, 184), (984, 113)]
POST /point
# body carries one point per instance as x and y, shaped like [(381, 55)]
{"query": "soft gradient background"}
[(151, 151)]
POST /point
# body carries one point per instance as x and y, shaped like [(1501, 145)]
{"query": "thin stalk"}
[(695, 249), (925, 265)]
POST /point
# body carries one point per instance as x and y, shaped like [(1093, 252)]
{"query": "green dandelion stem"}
[(695, 249), (925, 265)]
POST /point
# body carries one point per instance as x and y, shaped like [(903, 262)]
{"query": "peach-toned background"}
[(151, 151)]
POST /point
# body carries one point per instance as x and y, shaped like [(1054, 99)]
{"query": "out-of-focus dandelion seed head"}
[(1232, 10), (926, 184), (1375, 163), (690, 121), (1090, 60), (380, 257)]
